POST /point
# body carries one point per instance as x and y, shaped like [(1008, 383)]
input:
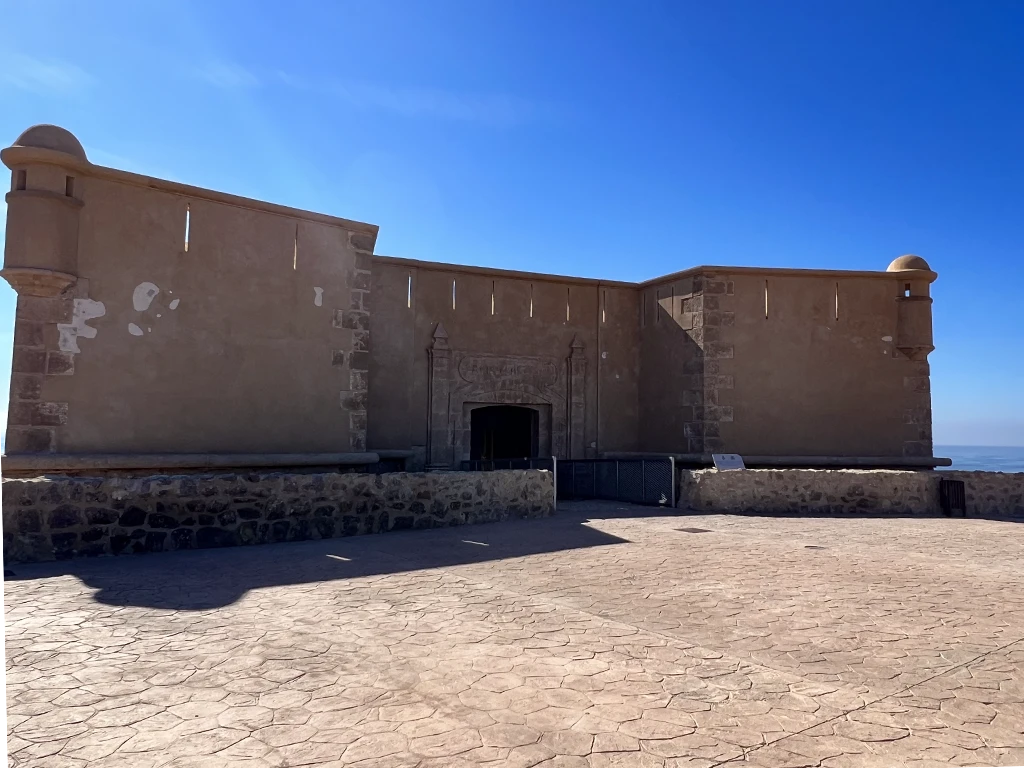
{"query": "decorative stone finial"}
[(440, 337)]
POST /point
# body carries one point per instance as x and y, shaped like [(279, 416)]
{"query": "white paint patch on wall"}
[(84, 310), (134, 330), (318, 297), (174, 304), (143, 296)]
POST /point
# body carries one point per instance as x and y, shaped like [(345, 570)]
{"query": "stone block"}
[(27, 360), (359, 361), (917, 384), (357, 441), (355, 320), (357, 421), (360, 281), (361, 241), (101, 516), (60, 363), (64, 516), (28, 333), (338, 357), (29, 521), (30, 440), (26, 386), (714, 287), (47, 414), (21, 413), (38, 309), (693, 397), (354, 401), (359, 381)]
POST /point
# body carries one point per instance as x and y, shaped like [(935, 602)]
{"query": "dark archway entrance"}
[(503, 432)]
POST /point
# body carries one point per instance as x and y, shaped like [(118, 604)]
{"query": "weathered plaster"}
[(83, 311)]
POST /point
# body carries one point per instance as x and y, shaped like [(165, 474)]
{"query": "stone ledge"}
[(797, 462), (78, 462)]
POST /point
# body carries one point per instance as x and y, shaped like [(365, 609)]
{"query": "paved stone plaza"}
[(608, 636)]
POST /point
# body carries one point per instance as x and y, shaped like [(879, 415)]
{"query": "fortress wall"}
[(520, 328), (811, 377), (158, 317), (252, 338), (50, 518)]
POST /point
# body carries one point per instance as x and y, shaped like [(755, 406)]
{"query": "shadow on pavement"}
[(192, 580)]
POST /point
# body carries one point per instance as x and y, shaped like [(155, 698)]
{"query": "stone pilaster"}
[(917, 417), (439, 443), (32, 422), (356, 320), (576, 402), (707, 315), (719, 319)]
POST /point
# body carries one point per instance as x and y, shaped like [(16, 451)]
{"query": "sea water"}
[(996, 458)]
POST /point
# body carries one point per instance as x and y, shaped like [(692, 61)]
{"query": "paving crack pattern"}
[(603, 637)]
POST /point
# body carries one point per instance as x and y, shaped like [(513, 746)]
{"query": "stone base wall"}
[(57, 518), (846, 491), (990, 493)]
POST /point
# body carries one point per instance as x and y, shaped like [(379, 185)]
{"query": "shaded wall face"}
[(244, 342), (671, 366), (505, 341), (815, 370)]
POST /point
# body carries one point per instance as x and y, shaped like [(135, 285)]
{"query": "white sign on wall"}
[(728, 461)]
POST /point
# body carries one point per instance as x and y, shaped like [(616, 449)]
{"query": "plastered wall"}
[(813, 375), (533, 321), (246, 340)]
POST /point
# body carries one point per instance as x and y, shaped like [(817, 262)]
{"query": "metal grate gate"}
[(952, 497), (490, 465), (637, 481)]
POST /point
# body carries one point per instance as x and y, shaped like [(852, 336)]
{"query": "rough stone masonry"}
[(50, 518)]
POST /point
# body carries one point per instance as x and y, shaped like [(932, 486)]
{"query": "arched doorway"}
[(503, 432)]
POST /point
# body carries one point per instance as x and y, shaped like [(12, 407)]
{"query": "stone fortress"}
[(193, 369), (161, 325)]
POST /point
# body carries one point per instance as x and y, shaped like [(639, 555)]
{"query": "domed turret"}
[(43, 207), (52, 137), (910, 261), (914, 310)]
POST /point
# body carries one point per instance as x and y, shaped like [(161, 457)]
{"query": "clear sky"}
[(603, 139)]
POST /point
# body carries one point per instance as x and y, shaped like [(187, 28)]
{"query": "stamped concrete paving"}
[(605, 637)]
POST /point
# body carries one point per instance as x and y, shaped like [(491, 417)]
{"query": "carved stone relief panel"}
[(508, 380), (460, 381)]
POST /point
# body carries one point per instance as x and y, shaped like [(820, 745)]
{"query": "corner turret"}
[(914, 306), (41, 251)]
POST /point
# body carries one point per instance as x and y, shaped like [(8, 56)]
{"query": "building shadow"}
[(195, 580)]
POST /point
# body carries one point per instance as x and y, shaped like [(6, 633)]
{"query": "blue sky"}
[(618, 140)]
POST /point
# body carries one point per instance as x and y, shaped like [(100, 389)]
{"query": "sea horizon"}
[(984, 458)]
